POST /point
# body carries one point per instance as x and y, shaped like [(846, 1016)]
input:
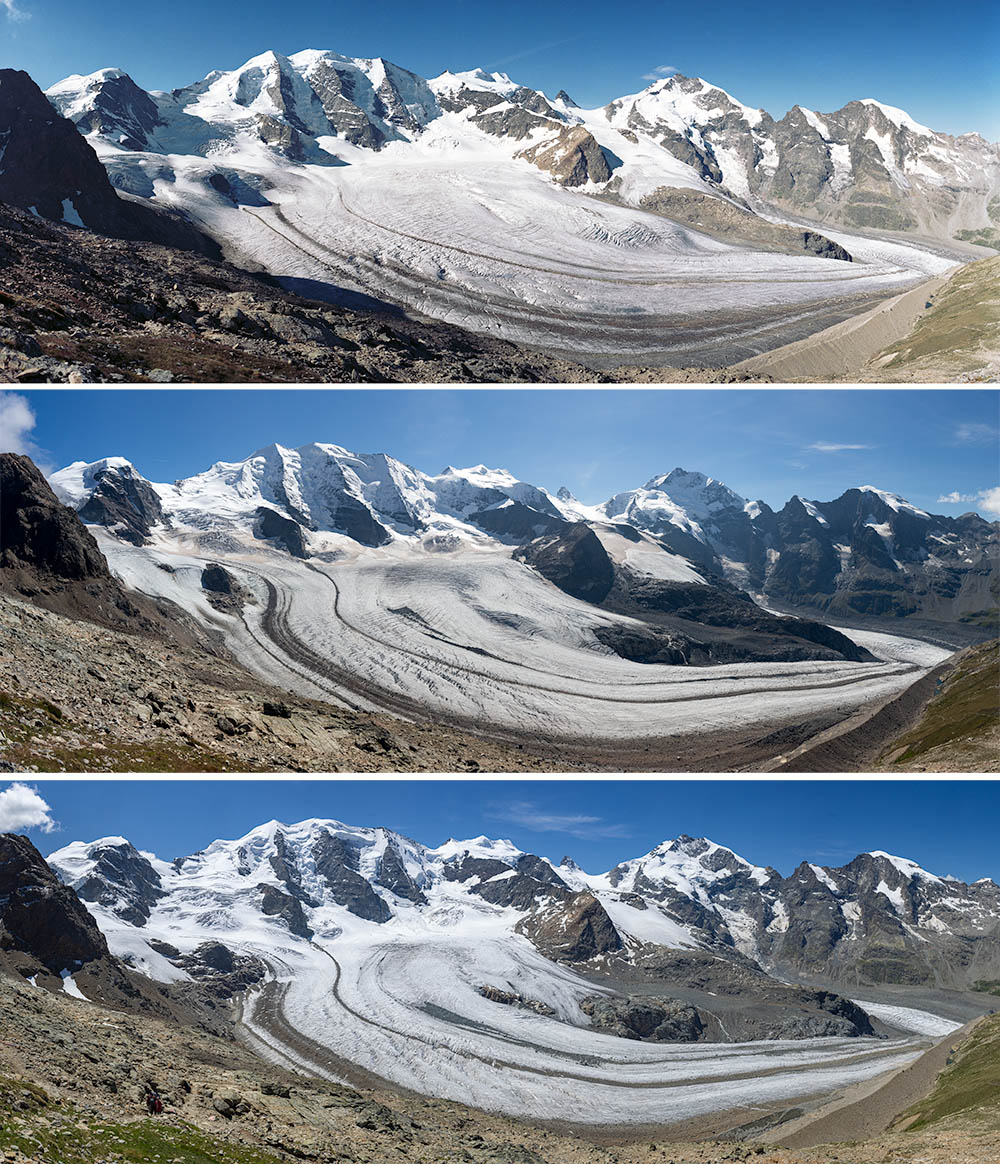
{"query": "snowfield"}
[(448, 218), (472, 637), (401, 1000)]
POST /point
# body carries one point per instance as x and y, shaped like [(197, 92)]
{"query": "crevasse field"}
[(473, 638), (400, 1000)]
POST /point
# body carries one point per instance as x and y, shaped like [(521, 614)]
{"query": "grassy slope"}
[(969, 1086), (960, 334), (40, 1129), (967, 705)]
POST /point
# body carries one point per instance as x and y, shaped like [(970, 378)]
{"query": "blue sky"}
[(938, 64), (765, 444), (946, 826)]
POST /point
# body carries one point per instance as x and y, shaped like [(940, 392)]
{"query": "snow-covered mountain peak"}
[(893, 500), (905, 866), (899, 117), (498, 849), (72, 484)]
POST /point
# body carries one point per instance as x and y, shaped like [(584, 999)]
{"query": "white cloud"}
[(976, 434), (988, 500), (16, 421), (12, 10), (530, 816), (831, 447), (660, 72), (22, 808)]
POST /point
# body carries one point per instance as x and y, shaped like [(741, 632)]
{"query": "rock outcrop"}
[(50, 170)]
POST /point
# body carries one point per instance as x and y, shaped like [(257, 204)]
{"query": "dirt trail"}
[(869, 1109), (856, 742), (848, 346)]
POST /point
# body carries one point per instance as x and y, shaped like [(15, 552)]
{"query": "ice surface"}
[(448, 220), (905, 1018)]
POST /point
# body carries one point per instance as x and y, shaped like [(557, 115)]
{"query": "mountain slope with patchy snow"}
[(471, 198), (435, 968)]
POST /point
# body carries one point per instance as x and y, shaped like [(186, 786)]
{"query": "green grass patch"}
[(970, 1082), (967, 704), (62, 1134), (987, 986), (35, 730), (984, 237)]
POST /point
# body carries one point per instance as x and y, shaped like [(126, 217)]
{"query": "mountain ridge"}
[(674, 875), (358, 176), (867, 552)]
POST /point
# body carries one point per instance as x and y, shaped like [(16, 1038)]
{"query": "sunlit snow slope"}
[(473, 199), (375, 953)]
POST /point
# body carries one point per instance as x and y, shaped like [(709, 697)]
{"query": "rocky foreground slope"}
[(73, 1077), (79, 307)]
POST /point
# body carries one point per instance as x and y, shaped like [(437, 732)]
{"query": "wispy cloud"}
[(530, 816), (17, 420), (12, 10), (22, 808), (660, 72), (833, 447), (538, 48), (976, 434), (988, 500)]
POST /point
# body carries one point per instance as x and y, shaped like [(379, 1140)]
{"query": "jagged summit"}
[(864, 551), (328, 877)]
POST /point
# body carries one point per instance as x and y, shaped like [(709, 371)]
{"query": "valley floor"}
[(72, 1076), (76, 307)]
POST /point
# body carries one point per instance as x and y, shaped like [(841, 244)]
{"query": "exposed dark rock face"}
[(123, 499), (51, 170), (507, 998), (221, 972), (575, 930), (573, 159), (124, 881), (120, 108), (41, 917), (270, 525), (872, 922), (274, 903), (337, 864), (572, 559), (286, 869), (392, 873), (653, 1020), (38, 534), (692, 610), (225, 592), (513, 519), (336, 90), (645, 644)]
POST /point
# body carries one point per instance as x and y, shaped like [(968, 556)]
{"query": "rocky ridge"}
[(866, 554), (867, 165)]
